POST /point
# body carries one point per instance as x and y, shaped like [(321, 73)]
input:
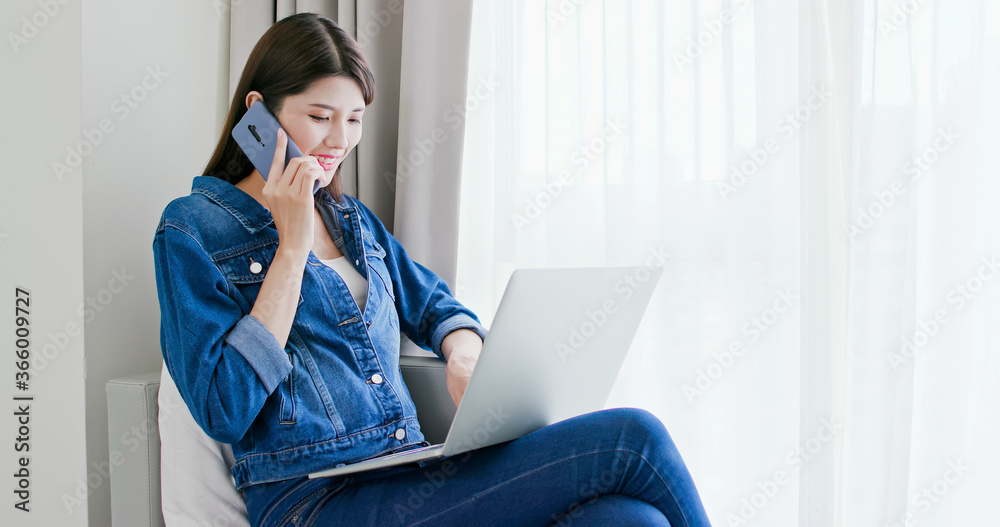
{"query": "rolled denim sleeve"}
[(426, 307), (460, 321), (224, 362), (258, 346)]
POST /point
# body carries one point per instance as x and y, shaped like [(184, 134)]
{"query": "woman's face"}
[(324, 121)]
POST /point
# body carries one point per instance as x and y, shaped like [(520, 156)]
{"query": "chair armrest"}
[(134, 450)]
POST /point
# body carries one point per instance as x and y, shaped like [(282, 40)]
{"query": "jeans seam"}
[(311, 519), (491, 489), (298, 507), (271, 509)]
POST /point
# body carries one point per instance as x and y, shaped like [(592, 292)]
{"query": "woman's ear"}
[(253, 97)]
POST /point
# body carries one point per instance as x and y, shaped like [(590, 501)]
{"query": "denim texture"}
[(611, 467), (313, 404)]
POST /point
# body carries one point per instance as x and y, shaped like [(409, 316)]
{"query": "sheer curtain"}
[(813, 178)]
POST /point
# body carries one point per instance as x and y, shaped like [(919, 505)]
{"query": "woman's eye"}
[(319, 119), (355, 121)]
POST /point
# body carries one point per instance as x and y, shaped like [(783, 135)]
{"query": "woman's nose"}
[(337, 137)]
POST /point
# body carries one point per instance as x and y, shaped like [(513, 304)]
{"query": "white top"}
[(355, 282)]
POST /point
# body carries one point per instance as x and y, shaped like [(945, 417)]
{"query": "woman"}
[(281, 315)]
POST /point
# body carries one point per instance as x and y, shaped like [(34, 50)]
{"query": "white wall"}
[(80, 240), (41, 250), (158, 72)]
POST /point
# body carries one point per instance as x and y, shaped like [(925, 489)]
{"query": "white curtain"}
[(815, 180)]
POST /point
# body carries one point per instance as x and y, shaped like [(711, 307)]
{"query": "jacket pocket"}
[(247, 263), (246, 266), (311, 390)]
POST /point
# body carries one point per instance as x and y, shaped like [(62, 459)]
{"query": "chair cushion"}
[(196, 484)]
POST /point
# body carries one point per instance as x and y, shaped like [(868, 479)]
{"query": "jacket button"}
[(400, 434), (376, 379), (256, 267)]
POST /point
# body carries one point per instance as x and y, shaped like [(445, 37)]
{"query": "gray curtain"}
[(433, 87), (249, 19), (408, 166)]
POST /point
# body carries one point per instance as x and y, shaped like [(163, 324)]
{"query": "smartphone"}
[(257, 135)]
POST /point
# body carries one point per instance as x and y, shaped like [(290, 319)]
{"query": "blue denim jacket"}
[(334, 394)]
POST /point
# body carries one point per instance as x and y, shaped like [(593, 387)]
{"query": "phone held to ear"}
[(257, 135)]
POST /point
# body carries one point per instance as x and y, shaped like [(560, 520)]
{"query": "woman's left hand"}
[(461, 349)]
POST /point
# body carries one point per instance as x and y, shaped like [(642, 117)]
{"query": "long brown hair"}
[(288, 58)]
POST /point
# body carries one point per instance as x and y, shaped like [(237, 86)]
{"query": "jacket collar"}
[(251, 214)]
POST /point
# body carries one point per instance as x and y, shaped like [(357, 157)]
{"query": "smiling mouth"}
[(327, 162)]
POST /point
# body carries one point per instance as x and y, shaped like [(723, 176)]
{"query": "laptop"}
[(553, 352)]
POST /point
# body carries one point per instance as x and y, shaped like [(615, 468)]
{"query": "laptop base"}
[(390, 460)]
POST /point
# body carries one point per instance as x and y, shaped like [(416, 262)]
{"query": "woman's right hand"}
[(288, 194)]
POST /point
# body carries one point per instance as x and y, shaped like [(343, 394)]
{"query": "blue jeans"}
[(610, 467)]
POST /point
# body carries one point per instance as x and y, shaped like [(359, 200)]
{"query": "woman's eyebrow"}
[(334, 108)]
